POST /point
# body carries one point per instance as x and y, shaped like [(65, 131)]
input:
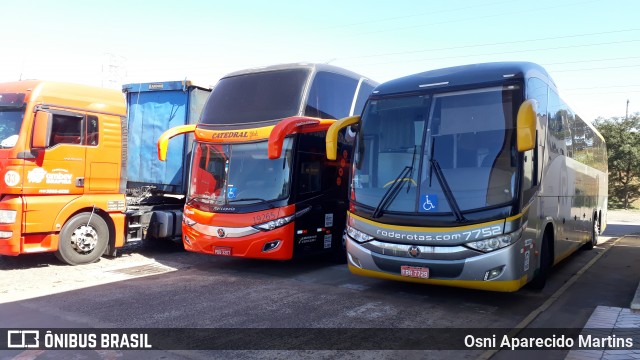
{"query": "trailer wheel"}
[(83, 239)]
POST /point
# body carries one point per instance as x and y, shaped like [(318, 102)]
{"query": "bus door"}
[(321, 199)]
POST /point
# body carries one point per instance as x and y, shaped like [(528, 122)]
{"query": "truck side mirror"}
[(526, 125), (332, 135), (42, 130)]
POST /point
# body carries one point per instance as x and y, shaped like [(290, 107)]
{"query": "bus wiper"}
[(435, 166), (391, 193), (200, 198), (248, 199)]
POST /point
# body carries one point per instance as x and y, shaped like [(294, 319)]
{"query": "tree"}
[(622, 136)]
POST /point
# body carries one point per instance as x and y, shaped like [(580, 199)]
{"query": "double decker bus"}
[(261, 186), (477, 176)]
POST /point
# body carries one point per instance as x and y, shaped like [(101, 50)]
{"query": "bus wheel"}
[(540, 279), (339, 251), (595, 233), (83, 239)]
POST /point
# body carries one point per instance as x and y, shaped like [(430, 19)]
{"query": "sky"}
[(591, 48)]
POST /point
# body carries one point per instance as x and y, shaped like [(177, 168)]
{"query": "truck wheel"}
[(540, 280), (83, 239)]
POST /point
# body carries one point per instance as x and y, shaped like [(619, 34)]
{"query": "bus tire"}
[(546, 261), (83, 239), (339, 251), (595, 232)]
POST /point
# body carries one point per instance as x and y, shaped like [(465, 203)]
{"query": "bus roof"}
[(464, 75), (310, 66)]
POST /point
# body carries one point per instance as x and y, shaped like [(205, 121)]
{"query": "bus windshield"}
[(237, 174), (256, 97), (438, 153)]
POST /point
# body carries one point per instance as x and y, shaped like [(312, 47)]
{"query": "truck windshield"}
[(10, 123), (467, 135), (237, 174), (256, 97)]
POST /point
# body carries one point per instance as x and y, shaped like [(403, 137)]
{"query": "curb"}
[(635, 303)]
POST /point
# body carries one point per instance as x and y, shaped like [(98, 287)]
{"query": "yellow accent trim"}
[(403, 179), (424, 229), (517, 216), (501, 286), (332, 135), (234, 136), (526, 128), (163, 141)]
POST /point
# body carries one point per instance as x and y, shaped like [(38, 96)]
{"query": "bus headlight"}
[(7, 216), (358, 235), (188, 220), (495, 243), (273, 224)]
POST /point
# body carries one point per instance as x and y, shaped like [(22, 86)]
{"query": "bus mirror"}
[(332, 135), (526, 125), (293, 125), (41, 130), (163, 141)]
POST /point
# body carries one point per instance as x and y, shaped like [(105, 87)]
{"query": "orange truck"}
[(63, 172)]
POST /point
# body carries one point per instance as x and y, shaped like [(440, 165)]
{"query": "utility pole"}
[(626, 117)]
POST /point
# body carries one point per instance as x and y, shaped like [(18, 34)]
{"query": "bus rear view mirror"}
[(332, 135), (163, 141), (41, 130), (526, 125)]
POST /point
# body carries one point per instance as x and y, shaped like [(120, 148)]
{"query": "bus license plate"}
[(414, 272), (222, 250)]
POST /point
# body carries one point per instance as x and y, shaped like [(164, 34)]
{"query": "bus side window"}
[(315, 175), (330, 96)]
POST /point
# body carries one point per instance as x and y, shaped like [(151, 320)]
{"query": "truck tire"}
[(83, 239)]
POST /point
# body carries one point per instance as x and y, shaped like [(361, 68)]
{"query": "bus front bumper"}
[(469, 272)]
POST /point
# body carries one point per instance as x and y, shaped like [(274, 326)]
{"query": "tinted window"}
[(256, 97), (331, 96), (363, 95), (314, 174), (92, 130), (65, 129)]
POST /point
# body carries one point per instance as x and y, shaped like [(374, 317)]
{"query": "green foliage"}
[(623, 146)]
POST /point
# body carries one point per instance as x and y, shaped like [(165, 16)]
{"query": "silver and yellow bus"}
[(476, 176)]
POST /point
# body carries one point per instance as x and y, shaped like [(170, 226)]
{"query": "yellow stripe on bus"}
[(501, 286), (428, 229)]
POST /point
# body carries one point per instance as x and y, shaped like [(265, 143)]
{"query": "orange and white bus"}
[(261, 186)]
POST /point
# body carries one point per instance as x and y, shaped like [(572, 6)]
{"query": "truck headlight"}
[(7, 216), (358, 235), (495, 243), (273, 224)]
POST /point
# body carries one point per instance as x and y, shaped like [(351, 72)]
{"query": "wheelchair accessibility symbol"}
[(428, 203)]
